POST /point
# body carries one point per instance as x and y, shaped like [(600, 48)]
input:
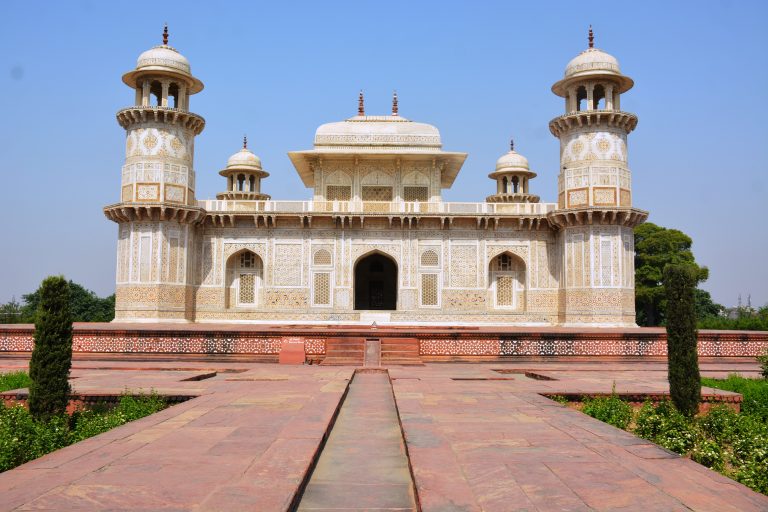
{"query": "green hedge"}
[(735, 444), (22, 438)]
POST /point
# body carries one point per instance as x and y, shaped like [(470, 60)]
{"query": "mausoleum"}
[(374, 241)]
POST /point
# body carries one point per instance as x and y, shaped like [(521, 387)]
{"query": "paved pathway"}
[(364, 465), (476, 443)]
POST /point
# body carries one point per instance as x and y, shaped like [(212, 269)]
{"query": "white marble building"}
[(375, 241)]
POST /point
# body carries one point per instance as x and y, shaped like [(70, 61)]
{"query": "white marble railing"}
[(355, 207)]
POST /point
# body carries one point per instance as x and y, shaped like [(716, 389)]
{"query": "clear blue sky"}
[(480, 71)]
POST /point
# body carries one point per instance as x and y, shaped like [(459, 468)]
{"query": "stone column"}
[(590, 96), (609, 97), (573, 102), (164, 99), (145, 93), (616, 102), (183, 98)]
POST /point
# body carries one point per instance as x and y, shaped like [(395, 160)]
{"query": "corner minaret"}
[(595, 212), (157, 197)]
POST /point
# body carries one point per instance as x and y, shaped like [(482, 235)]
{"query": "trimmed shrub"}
[(683, 364), (52, 354), (754, 393)]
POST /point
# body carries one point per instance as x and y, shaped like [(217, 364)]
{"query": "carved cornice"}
[(131, 116), (132, 212), (614, 118), (595, 216), (512, 198)]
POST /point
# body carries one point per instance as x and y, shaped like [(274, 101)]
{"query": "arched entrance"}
[(376, 283)]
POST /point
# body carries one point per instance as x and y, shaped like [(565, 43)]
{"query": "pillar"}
[(609, 97), (145, 93), (590, 96), (573, 107), (164, 101)]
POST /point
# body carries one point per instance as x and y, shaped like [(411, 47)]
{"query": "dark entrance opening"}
[(376, 283)]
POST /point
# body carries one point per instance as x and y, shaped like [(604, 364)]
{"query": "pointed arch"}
[(375, 281), (507, 281), (244, 276)]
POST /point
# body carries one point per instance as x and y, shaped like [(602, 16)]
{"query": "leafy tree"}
[(10, 312), (52, 355), (705, 306), (655, 248), (682, 351), (85, 305)]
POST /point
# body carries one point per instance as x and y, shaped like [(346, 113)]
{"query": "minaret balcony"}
[(131, 116), (615, 118), (512, 198)]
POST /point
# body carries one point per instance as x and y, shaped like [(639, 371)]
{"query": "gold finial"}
[(394, 103), (511, 144), (591, 38), (245, 142), (165, 35), (360, 104)]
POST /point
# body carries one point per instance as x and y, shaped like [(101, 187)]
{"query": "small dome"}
[(163, 60), (244, 159), (377, 133), (590, 60), (595, 64), (512, 161), (163, 57)]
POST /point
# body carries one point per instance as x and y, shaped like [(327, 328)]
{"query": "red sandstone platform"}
[(475, 442), (399, 344)]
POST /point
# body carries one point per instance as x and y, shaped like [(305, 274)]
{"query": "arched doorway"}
[(376, 283), (244, 276), (507, 281)]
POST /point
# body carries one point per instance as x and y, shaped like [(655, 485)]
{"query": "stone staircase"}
[(344, 352), (351, 351), (400, 351)]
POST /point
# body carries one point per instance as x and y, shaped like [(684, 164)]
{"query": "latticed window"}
[(429, 259), (504, 262), (338, 193), (247, 292), (322, 289), (415, 194), (505, 290), (322, 257), (429, 290), (377, 193), (247, 260)]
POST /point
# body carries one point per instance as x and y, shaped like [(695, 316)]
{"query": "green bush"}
[(610, 409), (708, 453), (52, 355), (682, 351), (763, 360), (666, 426), (14, 380), (22, 438)]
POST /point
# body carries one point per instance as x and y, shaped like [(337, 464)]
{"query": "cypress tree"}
[(682, 351), (52, 354)]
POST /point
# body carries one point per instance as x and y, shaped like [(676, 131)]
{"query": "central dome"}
[(377, 133)]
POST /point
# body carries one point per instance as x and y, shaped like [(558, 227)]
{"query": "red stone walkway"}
[(249, 440)]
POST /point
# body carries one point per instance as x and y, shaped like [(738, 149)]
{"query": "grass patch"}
[(14, 380), (23, 439), (753, 391), (734, 444)]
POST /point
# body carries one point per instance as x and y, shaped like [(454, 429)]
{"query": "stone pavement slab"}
[(249, 439)]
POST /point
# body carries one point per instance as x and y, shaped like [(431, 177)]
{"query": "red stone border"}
[(434, 342)]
